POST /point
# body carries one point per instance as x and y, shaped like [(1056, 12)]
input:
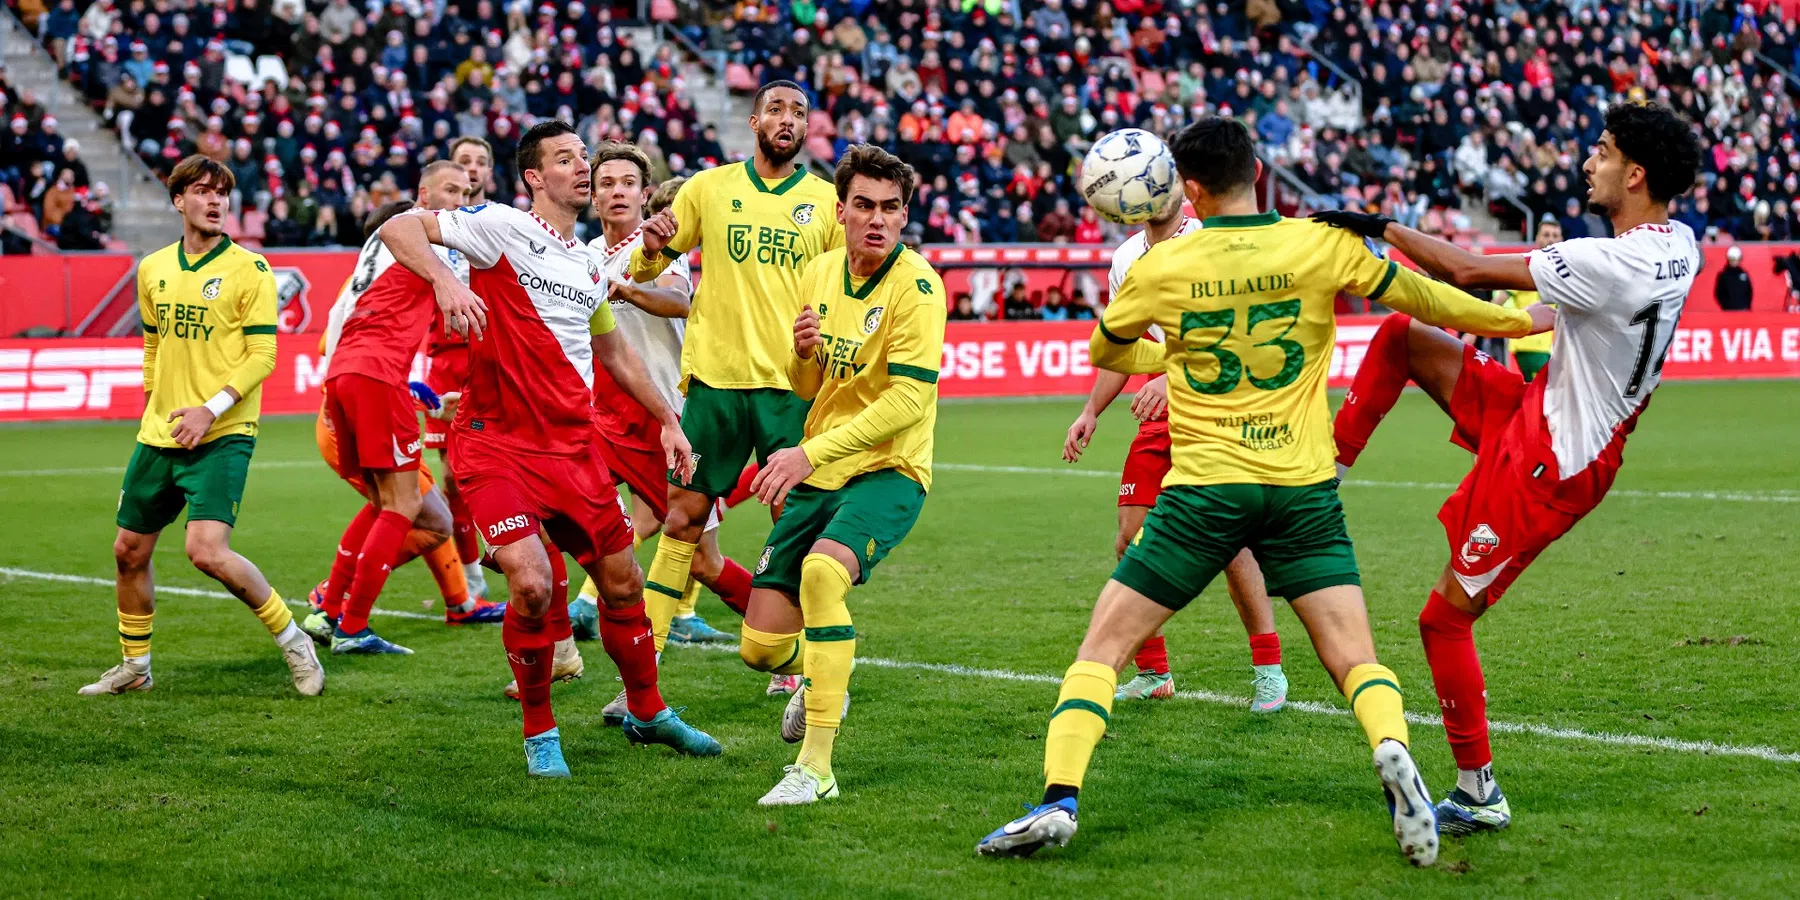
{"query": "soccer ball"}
[(1129, 176)]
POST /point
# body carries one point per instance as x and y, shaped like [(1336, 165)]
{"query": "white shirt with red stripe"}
[(377, 289), (1617, 303), (656, 339), (531, 375)]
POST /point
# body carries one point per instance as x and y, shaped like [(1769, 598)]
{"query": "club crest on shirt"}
[(803, 214), (1482, 542), (210, 290), (594, 271), (872, 321)]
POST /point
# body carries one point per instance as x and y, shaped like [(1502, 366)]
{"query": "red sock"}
[(733, 586), (343, 568), (556, 620), (463, 528), (1265, 649), (1456, 673), (531, 653), (379, 550), (742, 492), (1154, 655), (1378, 383), (625, 633)]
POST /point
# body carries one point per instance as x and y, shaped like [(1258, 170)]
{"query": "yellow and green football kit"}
[(873, 386), (1532, 352), (1247, 308), (209, 323), (757, 238)]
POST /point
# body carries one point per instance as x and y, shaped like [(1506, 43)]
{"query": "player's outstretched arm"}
[(1463, 268), (668, 235), (1437, 303), (666, 297), (624, 365), (1127, 356), (410, 238)]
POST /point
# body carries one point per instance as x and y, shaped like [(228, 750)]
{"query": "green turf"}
[(1663, 617)]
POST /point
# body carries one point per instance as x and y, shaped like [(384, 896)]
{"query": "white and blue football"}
[(1129, 176)]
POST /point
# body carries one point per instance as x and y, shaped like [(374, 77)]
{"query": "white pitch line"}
[(120, 470), (184, 592), (1704, 748), (1738, 496)]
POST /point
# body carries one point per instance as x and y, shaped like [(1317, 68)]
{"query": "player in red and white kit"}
[(1141, 483), (447, 366), (376, 328), (1545, 452), (523, 442), (653, 319)]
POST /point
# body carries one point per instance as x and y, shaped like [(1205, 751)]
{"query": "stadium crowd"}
[(1423, 110)]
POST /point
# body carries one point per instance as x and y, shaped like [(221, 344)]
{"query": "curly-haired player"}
[(1545, 452)]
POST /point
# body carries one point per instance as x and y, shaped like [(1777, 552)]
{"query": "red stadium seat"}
[(739, 80), (819, 123)]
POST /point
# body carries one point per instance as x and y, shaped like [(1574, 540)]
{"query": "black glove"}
[(1369, 225)]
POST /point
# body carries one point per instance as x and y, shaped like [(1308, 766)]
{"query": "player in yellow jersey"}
[(208, 307), (1531, 353), (865, 349), (1246, 304), (760, 223)]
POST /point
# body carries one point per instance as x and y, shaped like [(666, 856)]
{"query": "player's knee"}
[(131, 554), (209, 557), (531, 591), (433, 517), (621, 585), (761, 655)]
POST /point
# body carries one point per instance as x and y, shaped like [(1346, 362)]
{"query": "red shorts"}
[(1146, 465), (1514, 503), (646, 473), (444, 373), (376, 425), (328, 450), (511, 494)]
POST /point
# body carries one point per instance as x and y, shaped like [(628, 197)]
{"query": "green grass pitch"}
[(1647, 657)]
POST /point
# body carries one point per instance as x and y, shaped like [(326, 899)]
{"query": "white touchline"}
[(1775, 496), (1705, 748), (1739, 496)]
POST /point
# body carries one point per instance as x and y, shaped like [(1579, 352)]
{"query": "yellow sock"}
[(590, 590), (689, 600), (782, 654), (274, 613), (830, 654), (1078, 722), (134, 634), (664, 585), (1374, 693)]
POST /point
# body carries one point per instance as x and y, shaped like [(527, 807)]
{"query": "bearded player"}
[(523, 442), (1248, 421), (866, 350), (208, 312), (1147, 463), (1545, 452), (653, 319), (447, 365), (760, 222)]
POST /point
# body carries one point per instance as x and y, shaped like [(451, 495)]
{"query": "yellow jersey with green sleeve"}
[(873, 378), (1246, 305), (208, 323), (757, 238), (1537, 343)]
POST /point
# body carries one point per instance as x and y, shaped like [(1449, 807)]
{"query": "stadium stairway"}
[(712, 98), (142, 217)]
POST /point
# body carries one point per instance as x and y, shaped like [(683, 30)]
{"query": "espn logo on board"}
[(72, 381)]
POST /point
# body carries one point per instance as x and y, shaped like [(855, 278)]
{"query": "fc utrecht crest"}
[(594, 271), (1481, 544)]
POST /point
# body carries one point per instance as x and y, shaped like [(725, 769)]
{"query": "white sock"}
[(289, 635), (473, 573), (465, 606), (1342, 470), (1478, 783), (138, 664)]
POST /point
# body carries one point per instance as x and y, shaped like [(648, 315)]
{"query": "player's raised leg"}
[(1403, 350)]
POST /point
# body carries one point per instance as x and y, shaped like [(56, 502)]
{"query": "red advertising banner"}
[(102, 378)]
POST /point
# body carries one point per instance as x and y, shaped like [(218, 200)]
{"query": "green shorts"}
[(870, 514), (208, 480), (1530, 362), (1296, 533), (727, 427)]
